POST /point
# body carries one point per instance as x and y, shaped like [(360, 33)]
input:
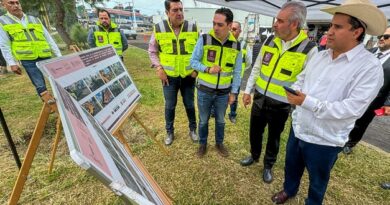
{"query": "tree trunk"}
[(60, 17)]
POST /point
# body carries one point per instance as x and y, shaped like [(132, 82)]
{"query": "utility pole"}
[(134, 20)]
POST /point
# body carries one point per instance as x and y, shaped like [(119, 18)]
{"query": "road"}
[(377, 134)]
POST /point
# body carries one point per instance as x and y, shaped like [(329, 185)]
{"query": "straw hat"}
[(365, 11)]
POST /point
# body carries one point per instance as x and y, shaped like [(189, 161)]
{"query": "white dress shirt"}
[(5, 42), (256, 67), (385, 55), (338, 91)]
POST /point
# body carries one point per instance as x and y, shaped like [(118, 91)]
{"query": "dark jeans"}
[(233, 106), (205, 102), (317, 159), (35, 74), (262, 116), (186, 87)]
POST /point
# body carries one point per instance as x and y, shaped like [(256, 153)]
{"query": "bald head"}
[(13, 7)]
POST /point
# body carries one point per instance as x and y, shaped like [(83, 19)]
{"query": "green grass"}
[(184, 177)]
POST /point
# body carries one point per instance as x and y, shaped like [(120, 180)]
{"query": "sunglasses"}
[(386, 36), (234, 29)]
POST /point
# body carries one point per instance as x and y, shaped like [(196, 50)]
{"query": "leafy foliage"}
[(79, 35)]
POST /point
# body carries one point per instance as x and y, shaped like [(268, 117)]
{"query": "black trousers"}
[(261, 116), (362, 123)]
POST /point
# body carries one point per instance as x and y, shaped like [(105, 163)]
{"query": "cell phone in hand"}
[(380, 111), (290, 90)]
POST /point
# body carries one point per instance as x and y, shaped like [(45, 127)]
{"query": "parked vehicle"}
[(128, 31)]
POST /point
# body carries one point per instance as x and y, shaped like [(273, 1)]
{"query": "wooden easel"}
[(49, 107), (32, 149)]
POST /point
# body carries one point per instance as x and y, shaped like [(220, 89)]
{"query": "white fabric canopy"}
[(272, 7)]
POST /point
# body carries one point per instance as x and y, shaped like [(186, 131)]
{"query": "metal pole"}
[(9, 139)]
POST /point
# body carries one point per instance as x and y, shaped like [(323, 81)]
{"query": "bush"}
[(79, 35)]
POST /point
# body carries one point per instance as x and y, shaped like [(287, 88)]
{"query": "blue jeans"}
[(186, 87), (317, 159), (233, 106), (35, 74), (205, 102)]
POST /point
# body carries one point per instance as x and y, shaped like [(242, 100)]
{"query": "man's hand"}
[(215, 69), (246, 99), (296, 99), (194, 74), (16, 69), (387, 110), (162, 75), (232, 98)]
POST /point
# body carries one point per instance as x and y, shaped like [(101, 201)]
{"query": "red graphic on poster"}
[(61, 68), (87, 144)]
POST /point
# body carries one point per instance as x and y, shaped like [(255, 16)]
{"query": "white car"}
[(128, 32)]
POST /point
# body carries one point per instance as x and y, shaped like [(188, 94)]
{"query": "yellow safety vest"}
[(27, 43), (278, 69), (111, 36), (175, 51), (216, 53)]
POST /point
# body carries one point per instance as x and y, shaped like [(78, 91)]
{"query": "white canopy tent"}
[(272, 7)]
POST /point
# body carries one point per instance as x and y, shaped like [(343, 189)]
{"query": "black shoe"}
[(194, 137), (169, 139), (385, 185), (248, 161), (201, 150), (232, 119), (347, 150), (267, 176)]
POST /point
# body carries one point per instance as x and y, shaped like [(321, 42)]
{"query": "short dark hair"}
[(167, 4), (227, 13), (356, 23), (102, 11)]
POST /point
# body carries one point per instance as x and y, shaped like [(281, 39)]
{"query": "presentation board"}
[(98, 81), (93, 148), (94, 92)]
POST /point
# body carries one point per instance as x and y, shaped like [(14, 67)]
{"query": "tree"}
[(63, 11)]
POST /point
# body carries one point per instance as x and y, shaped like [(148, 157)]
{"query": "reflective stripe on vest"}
[(27, 43), (111, 36), (175, 51), (278, 70), (214, 53)]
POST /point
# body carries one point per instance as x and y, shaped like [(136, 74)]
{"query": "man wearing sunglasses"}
[(382, 52), (246, 63)]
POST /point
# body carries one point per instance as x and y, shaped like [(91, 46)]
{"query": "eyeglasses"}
[(386, 36), (234, 29)]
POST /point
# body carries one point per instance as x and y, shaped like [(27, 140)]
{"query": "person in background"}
[(322, 41), (333, 91), (382, 52), (218, 59), (246, 64), (170, 48), (106, 32), (282, 58), (24, 38)]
